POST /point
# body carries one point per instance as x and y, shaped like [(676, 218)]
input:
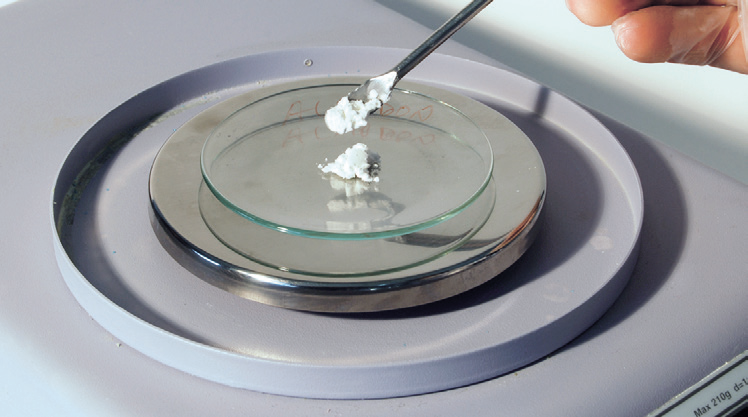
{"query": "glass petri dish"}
[(263, 161)]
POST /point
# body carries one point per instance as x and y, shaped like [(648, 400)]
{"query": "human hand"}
[(698, 32)]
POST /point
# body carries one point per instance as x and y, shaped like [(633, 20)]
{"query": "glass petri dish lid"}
[(263, 162)]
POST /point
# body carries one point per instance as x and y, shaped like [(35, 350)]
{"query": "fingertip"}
[(589, 13), (640, 38), (602, 12)]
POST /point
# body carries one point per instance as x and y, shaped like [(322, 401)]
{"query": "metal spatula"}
[(386, 81)]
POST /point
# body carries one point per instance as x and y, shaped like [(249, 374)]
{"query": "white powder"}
[(349, 115), (356, 162)]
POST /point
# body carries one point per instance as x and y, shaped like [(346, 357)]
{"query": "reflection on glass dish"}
[(355, 198), (262, 163)]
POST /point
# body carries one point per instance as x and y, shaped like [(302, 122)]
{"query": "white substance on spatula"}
[(356, 162), (348, 115)]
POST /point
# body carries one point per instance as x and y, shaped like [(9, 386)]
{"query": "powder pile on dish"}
[(348, 114), (357, 161)]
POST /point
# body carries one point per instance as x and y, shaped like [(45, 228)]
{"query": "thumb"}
[(697, 35)]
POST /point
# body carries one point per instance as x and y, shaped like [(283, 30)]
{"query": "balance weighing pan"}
[(123, 273), (346, 269)]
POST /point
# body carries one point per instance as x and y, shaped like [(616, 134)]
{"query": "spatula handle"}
[(439, 36)]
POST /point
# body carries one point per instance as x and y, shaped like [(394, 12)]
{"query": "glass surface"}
[(262, 163)]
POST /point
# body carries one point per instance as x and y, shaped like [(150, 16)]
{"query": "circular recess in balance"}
[(148, 295), (263, 162)]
